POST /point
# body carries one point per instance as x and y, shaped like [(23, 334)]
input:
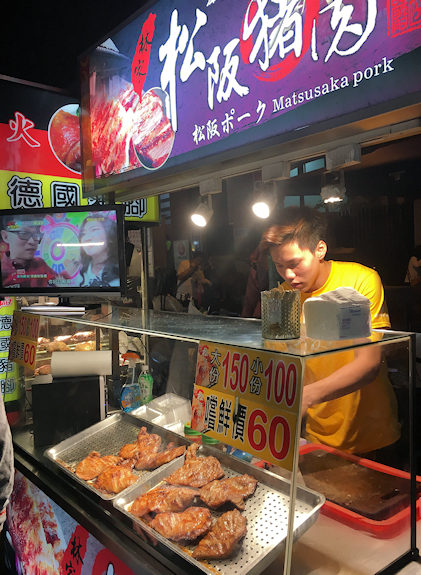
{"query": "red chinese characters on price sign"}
[(24, 339), (249, 399)]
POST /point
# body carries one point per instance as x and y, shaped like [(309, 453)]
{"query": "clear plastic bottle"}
[(145, 385), (130, 392)]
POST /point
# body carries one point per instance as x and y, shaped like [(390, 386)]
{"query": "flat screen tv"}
[(62, 251)]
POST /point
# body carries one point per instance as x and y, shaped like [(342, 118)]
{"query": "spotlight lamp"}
[(264, 200), (335, 191), (261, 209), (202, 214)]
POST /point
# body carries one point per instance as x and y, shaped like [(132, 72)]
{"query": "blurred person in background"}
[(191, 280)]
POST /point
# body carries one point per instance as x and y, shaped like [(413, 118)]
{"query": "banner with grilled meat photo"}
[(42, 538)]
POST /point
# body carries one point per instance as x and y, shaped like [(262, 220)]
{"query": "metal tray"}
[(107, 437), (266, 512)]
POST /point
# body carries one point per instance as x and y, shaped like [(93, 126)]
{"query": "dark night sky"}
[(41, 41)]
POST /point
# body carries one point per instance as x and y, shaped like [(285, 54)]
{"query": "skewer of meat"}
[(222, 539)]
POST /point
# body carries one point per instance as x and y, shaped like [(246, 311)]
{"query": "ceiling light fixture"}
[(264, 199), (203, 213), (334, 191)]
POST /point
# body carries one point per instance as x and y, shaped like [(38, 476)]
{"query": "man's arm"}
[(348, 378), (184, 274)]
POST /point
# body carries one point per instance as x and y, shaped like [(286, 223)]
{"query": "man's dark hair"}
[(304, 226)]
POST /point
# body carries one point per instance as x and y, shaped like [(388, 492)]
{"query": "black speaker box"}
[(66, 406)]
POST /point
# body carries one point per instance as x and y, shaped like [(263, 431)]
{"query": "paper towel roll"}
[(70, 363)]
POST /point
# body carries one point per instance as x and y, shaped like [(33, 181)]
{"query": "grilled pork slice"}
[(146, 443), (232, 489), (222, 539), (115, 479), (185, 526), (154, 460), (196, 471), (163, 499), (94, 464)]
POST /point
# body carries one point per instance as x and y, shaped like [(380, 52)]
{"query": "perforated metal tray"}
[(106, 437), (266, 512)]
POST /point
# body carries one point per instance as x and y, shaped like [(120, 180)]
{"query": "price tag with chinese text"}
[(24, 339), (249, 399)]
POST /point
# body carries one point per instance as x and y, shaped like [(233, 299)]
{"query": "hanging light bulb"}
[(261, 209), (265, 199), (202, 214), (335, 191)]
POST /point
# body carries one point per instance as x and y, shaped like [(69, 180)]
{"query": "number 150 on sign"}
[(275, 383)]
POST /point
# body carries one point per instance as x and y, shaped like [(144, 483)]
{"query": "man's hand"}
[(350, 377)]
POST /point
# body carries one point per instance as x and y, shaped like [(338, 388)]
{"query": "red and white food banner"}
[(249, 399), (42, 533)]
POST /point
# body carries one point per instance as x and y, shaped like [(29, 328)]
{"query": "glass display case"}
[(358, 488)]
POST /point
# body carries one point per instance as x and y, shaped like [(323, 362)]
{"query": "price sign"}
[(24, 339), (248, 399)]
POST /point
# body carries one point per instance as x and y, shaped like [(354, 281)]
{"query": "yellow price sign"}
[(24, 339), (249, 399)]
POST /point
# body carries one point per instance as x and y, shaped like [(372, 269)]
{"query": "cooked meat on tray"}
[(185, 526), (233, 489), (196, 471), (94, 464), (163, 499), (222, 539), (154, 460), (116, 478), (146, 443)]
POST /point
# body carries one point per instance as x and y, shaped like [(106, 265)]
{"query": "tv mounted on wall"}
[(63, 251)]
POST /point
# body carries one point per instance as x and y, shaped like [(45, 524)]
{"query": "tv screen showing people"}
[(61, 251)]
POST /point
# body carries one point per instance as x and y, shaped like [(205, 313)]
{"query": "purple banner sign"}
[(186, 75)]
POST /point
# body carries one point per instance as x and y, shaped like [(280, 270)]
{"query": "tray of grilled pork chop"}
[(116, 453), (219, 513)]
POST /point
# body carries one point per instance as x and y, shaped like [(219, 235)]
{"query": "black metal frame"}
[(412, 555)]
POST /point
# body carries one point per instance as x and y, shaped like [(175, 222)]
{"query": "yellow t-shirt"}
[(366, 419)]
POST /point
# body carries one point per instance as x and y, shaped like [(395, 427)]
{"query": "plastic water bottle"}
[(145, 385), (130, 392)]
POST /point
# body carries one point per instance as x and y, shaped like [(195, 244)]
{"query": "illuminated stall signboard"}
[(40, 153), (184, 80)]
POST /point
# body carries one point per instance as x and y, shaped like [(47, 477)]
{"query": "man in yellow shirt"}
[(348, 399)]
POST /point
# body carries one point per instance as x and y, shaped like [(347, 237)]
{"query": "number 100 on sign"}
[(270, 380)]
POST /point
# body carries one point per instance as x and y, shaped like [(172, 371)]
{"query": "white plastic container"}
[(173, 407), (166, 410)]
